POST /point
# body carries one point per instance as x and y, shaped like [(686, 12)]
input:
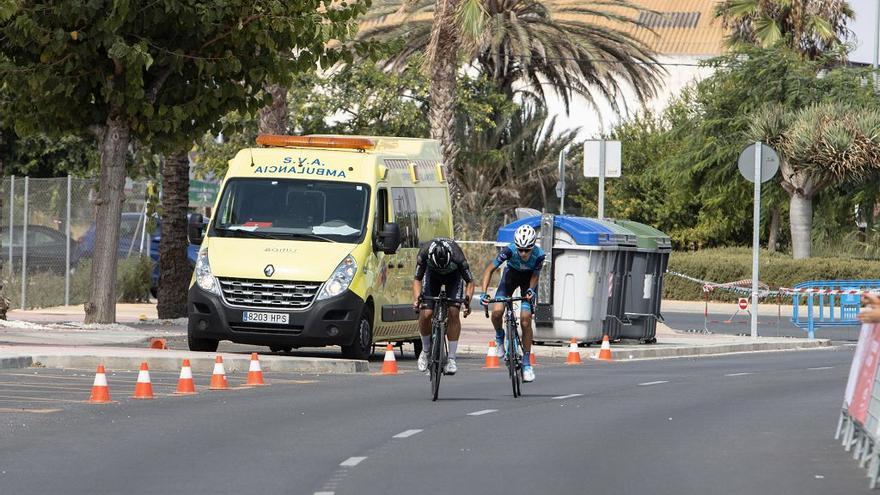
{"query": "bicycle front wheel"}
[(512, 358), (436, 364)]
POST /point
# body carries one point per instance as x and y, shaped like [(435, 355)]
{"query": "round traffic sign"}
[(743, 303), (769, 163)]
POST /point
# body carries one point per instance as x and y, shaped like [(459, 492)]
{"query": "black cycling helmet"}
[(439, 254)]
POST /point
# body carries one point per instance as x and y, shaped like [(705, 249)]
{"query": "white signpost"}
[(602, 159), (757, 163)]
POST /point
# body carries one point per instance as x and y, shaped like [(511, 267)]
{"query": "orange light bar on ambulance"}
[(331, 142)]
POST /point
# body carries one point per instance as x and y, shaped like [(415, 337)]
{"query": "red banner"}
[(863, 372)]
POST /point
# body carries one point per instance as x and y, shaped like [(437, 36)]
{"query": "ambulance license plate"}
[(272, 318)]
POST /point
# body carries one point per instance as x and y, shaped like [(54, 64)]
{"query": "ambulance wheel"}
[(280, 348), (362, 346), (201, 345)]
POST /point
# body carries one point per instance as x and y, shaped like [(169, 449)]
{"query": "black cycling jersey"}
[(457, 263)]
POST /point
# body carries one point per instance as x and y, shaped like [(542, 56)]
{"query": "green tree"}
[(810, 27), (820, 145), (155, 72)]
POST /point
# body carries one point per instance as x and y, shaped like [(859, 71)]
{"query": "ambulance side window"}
[(406, 215), (381, 211)]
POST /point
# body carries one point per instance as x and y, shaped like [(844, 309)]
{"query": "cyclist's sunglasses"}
[(524, 250)]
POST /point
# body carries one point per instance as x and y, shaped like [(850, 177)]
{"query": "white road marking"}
[(653, 383), (352, 461), (484, 411), (821, 368), (325, 493), (406, 434), (739, 374), (569, 396)]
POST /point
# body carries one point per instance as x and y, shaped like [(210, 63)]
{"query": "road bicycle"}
[(439, 352), (512, 343)]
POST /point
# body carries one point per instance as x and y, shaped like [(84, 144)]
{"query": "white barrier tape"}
[(765, 292), (476, 242)]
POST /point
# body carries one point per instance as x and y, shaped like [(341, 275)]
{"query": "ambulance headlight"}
[(340, 280), (204, 278)]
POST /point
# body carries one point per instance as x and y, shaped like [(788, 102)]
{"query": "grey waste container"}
[(644, 291), (625, 242)]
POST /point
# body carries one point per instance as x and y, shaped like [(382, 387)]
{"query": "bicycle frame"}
[(512, 341), (438, 338)]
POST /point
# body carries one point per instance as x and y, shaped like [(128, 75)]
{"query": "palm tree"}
[(572, 48), (810, 27)]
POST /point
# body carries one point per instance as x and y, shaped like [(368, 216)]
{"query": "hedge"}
[(777, 270)]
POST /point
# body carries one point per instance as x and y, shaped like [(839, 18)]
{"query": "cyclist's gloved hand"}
[(484, 299), (416, 305), (531, 294)]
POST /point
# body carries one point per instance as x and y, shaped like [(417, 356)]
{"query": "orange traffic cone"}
[(574, 356), (389, 365), (255, 373), (218, 379), (491, 357), (185, 385), (605, 350), (100, 390), (532, 360), (143, 389)]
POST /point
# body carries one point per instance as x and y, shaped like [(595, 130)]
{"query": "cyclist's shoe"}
[(451, 367), (423, 361), (528, 374), (499, 350)]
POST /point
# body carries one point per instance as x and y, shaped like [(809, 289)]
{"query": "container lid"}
[(648, 237), (584, 231)]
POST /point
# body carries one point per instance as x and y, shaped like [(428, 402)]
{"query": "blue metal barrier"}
[(829, 310)]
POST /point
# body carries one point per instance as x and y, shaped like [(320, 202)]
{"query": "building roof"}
[(680, 27)]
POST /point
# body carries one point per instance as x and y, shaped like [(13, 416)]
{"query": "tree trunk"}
[(442, 62), (273, 117), (4, 302), (801, 217), (773, 237), (101, 307), (174, 269)]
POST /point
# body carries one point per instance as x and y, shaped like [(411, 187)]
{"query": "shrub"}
[(45, 289), (777, 270)]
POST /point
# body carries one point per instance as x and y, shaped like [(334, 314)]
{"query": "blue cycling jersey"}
[(515, 262)]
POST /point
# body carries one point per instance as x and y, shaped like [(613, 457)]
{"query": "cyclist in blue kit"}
[(524, 260)]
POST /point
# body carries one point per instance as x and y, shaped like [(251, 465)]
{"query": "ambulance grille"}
[(276, 294)]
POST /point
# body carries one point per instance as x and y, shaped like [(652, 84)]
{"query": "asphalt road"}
[(768, 326), (744, 424)]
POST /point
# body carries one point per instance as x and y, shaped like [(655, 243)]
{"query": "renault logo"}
[(269, 270)]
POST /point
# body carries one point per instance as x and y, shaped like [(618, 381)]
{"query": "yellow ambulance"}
[(313, 242)]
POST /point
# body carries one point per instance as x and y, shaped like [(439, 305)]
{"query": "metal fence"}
[(47, 232)]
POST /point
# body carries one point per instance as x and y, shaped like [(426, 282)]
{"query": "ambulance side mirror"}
[(194, 226), (389, 238)]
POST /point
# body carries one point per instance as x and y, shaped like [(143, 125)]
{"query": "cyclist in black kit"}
[(441, 263)]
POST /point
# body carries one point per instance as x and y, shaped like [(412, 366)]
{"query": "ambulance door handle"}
[(400, 265)]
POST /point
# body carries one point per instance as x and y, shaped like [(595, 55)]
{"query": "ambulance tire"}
[(362, 346), (201, 345)]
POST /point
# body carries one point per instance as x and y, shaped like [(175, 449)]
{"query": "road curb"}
[(15, 362), (661, 351), (200, 362)]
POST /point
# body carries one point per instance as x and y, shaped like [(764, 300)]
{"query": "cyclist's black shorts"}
[(512, 280), (433, 282)]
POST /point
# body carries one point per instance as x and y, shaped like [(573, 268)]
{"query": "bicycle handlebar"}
[(505, 300)]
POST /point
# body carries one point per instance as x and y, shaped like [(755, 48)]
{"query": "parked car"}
[(192, 253), (45, 248), (129, 244)]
